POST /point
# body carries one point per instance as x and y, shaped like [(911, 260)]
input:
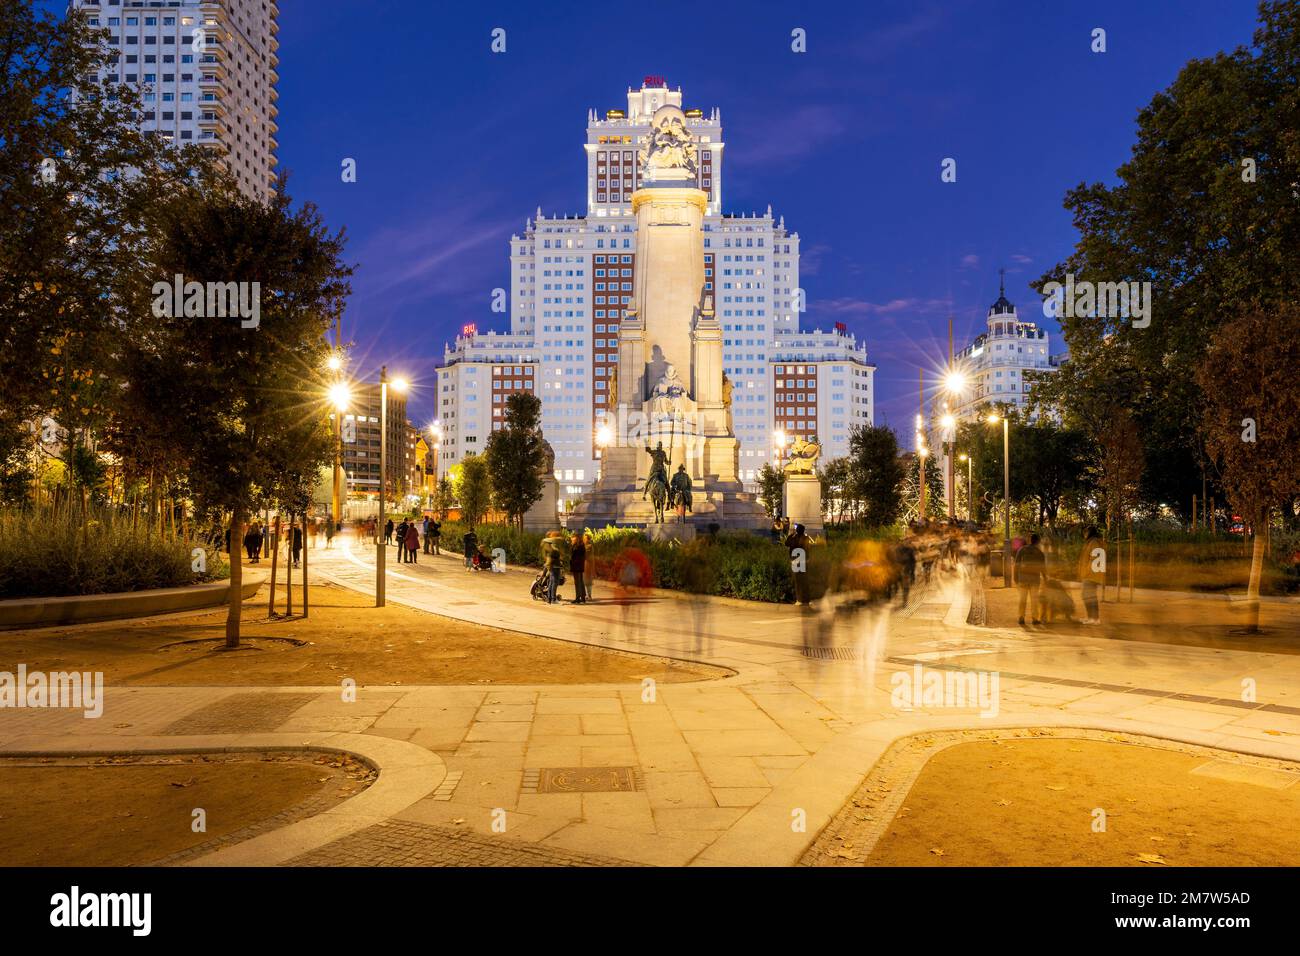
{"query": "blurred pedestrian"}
[(470, 544), (553, 562), (797, 544), (578, 567), (1029, 567), (412, 543), (435, 535), (388, 531), (905, 560), (589, 574), (428, 541), (1092, 573), (399, 537), (329, 532), (295, 544)]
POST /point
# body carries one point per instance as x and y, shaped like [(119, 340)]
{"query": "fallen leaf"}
[(1155, 858), (936, 851), (1051, 786)]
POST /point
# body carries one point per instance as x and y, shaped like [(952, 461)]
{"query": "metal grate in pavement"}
[(581, 780)]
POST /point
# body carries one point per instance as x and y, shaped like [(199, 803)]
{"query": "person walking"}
[(470, 542), (905, 559), (252, 544), (295, 544), (797, 544), (399, 538), (578, 567), (329, 533), (428, 542), (435, 535), (388, 531), (589, 572), (412, 544), (1030, 566), (554, 566), (1092, 573)]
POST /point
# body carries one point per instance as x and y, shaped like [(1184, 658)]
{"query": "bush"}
[(56, 554), (521, 547)]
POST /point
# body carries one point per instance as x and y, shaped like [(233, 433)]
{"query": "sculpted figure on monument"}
[(681, 488), (669, 144), (666, 398), (547, 466), (611, 394), (803, 456)]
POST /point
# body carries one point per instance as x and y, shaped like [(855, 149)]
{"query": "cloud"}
[(810, 259), (970, 261), (1021, 259)]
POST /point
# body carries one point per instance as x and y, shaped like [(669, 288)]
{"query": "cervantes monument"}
[(669, 388)]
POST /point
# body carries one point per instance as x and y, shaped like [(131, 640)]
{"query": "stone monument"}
[(803, 489), (670, 382)]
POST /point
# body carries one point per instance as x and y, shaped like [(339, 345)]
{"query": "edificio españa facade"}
[(574, 278)]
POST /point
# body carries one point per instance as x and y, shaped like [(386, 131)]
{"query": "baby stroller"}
[(482, 560), (540, 584)]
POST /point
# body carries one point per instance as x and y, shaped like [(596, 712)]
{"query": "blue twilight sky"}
[(456, 146)]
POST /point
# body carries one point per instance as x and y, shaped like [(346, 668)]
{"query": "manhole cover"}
[(581, 780)]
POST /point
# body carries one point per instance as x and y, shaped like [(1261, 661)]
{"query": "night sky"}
[(456, 146)]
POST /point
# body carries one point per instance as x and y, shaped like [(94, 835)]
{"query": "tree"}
[(1205, 211), (835, 480), (1118, 470), (771, 489), (473, 489), (443, 497), (246, 405), (516, 457), (1252, 420), (1049, 462), (76, 234), (875, 471)]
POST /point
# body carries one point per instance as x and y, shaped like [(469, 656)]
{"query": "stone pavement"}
[(740, 771)]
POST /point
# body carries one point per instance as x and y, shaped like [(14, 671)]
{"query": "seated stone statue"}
[(803, 456), (666, 397)]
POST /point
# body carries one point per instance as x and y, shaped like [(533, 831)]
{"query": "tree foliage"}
[(516, 457)]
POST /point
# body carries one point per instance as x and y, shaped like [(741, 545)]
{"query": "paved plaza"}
[(744, 770)]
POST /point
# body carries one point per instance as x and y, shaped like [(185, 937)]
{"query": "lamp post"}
[(994, 417), (335, 365), (779, 441), (381, 555)]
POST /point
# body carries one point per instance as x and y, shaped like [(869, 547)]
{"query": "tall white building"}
[(994, 364), (207, 74), (572, 278)]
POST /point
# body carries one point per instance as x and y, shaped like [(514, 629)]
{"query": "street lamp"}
[(340, 395), (994, 418), (400, 385), (779, 441)]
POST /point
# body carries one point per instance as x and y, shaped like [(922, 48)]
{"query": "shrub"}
[(55, 554)]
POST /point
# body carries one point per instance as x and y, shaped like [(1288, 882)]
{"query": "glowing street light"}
[(335, 362), (340, 396), (954, 382), (400, 385)]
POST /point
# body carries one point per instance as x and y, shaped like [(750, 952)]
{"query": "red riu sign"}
[(653, 81), (469, 329)]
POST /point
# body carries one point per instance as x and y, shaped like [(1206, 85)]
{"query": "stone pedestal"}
[(681, 533), (803, 502), (544, 515)]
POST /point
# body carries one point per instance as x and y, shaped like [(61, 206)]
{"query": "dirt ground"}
[(1168, 619), (345, 636), (1033, 802), (131, 811)]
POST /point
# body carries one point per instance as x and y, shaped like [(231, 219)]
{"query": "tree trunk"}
[(306, 544), (236, 577), (288, 568), (274, 537), (1256, 573)]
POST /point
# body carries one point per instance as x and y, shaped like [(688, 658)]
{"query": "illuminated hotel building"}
[(572, 278)]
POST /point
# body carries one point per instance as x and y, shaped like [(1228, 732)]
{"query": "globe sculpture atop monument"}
[(670, 415)]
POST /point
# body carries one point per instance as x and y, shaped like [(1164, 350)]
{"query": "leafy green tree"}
[(1252, 420), (473, 489), (1204, 210), (1048, 463), (246, 405), (443, 497), (876, 472), (836, 484), (516, 457), (76, 235), (771, 489)]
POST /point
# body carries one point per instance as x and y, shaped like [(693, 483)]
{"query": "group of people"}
[(1041, 592), (581, 563), (408, 534)]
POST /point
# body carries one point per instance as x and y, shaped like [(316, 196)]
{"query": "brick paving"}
[(404, 843)]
